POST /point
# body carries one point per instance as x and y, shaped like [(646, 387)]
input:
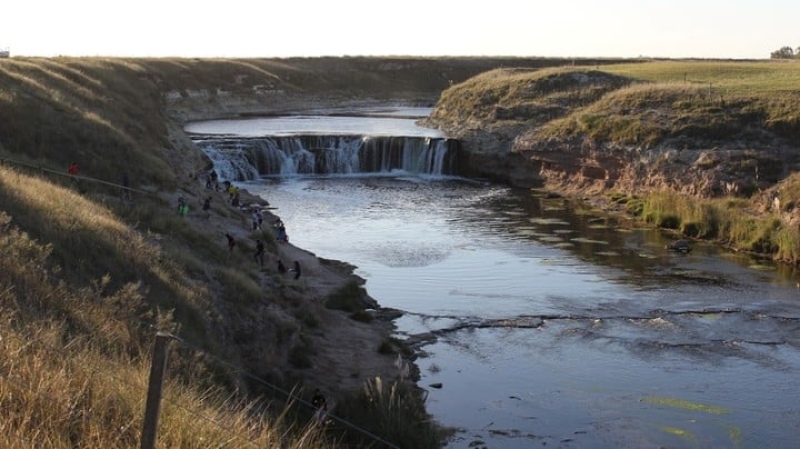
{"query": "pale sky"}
[(284, 28)]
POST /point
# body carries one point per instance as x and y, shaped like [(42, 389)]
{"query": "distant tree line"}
[(785, 53)]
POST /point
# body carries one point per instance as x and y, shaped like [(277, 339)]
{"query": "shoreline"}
[(345, 351)]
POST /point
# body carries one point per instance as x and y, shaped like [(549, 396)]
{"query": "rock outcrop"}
[(591, 132), (579, 164)]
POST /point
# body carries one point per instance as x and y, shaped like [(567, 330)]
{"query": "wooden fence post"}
[(153, 406)]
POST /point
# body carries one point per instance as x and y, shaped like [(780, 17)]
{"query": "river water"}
[(555, 326)]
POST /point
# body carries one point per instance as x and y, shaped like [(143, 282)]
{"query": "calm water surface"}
[(555, 327), (373, 122), (559, 329)]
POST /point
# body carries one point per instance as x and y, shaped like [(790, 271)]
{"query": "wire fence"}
[(14, 385), (123, 189), (60, 353)]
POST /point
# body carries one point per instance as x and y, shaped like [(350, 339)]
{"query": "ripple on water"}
[(585, 240), (406, 255), (550, 239), (607, 253), (549, 221)]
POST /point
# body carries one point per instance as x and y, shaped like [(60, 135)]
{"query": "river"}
[(556, 326)]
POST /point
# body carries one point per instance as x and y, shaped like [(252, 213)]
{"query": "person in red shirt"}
[(73, 169)]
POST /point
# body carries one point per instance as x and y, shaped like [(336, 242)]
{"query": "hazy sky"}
[(281, 28)]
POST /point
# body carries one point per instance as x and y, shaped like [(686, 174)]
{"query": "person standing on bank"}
[(318, 401), (259, 255), (183, 206), (73, 171), (207, 207), (254, 219), (126, 186), (296, 270)]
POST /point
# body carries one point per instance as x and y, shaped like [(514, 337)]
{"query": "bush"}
[(351, 297), (393, 410), (301, 353), (362, 316)]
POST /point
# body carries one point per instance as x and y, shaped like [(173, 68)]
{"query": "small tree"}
[(784, 53)]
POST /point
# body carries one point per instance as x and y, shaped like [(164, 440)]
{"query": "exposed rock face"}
[(492, 156), (742, 165), (583, 165), (587, 131)]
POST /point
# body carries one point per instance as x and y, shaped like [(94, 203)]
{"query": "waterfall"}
[(243, 159)]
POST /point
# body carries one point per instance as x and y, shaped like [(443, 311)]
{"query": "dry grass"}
[(523, 97), (733, 222), (105, 116), (642, 103), (83, 277), (748, 78), (75, 360), (64, 396), (395, 413)]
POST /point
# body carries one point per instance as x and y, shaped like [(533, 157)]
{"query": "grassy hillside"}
[(700, 101), (661, 106), (80, 293), (707, 92), (86, 278)]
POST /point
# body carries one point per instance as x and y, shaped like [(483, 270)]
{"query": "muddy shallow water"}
[(550, 326)]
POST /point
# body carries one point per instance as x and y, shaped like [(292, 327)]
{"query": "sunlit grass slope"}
[(74, 351), (655, 105), (104, 115), (642, 103)]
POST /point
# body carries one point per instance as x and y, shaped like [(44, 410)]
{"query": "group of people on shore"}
[(280, 229), (318, 400), (256, 220), (259, 258)]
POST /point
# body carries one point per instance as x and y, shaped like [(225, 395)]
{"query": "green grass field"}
[(751, 79)]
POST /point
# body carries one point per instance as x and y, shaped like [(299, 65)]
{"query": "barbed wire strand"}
[(245, 372), (290, 395), (95, 370), (77, 177)]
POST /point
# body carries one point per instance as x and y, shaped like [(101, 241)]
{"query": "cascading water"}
[(244, 159)]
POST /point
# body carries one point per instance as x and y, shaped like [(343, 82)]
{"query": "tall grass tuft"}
[(788, 242), (350, 298), (730, 221), (662, 209), (390, 410), (74, 365)]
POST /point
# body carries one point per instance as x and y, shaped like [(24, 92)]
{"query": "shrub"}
[(362, 316), (350, 298), (301, 353), (387, 347), (393, 410)]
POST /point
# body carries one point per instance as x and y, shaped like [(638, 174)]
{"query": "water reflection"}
[(548, 324)]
